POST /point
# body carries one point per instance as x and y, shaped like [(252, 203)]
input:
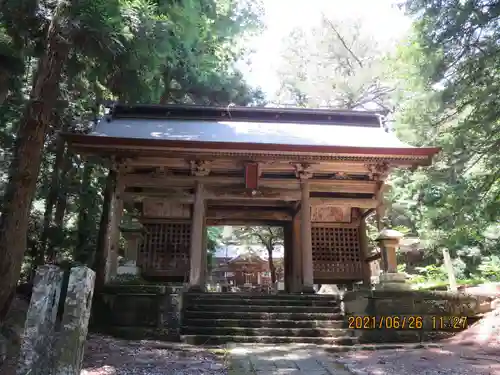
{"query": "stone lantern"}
[(388, 240), (132, 232)]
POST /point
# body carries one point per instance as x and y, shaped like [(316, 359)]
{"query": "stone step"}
[(218, 340), (279, 332), (270, 309), (263, 302), (284, 296), (259, 315), (266, 323)]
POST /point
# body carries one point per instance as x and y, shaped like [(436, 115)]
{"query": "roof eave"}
[(236, 113), (82, 141)]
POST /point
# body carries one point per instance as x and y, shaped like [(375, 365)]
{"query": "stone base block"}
[(308, 290), (392, 281), (196, 288), (128, 269)]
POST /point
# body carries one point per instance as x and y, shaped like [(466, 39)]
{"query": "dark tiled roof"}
[(248, 125), (249, 114)]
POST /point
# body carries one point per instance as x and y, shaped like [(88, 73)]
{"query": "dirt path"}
[(431, 361), (109, 356)]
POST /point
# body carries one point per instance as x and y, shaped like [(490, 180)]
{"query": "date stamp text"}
[(408, 322)]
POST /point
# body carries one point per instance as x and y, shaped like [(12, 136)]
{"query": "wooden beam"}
[(223, 192), (340, 186), (268, 166), (344, 202), (243, 215), (251, 203), (243, 223), (139, 197), (289, 199)]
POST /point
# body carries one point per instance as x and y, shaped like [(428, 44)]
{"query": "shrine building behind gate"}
[(317, 173)]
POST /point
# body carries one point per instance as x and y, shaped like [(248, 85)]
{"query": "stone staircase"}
[(218, 318)]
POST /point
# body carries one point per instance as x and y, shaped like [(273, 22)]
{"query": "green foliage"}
[(135, 51), (267, 236), (334, 64), (431, 272), (447, 95), (214, 240), (490, 268)]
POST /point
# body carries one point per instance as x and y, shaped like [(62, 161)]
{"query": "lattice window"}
[(336, 252), (165, 247)]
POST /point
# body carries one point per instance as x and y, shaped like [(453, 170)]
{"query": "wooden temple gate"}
[(187, 167)]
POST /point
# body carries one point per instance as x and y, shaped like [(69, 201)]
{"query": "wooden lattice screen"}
[(164, 250), (336, 253)]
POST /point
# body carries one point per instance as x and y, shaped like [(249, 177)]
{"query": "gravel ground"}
[(109, 356), (431, 361), (475, 351)]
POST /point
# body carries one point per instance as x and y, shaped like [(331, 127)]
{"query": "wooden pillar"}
[(379, 215), (296, 280), (115, 235), (363, 244), (113, 229), (197, 229), (288, 256), (305, 238), (204, 275)]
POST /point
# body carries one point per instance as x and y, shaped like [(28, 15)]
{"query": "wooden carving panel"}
[(336, 253), (331, 214), (252, 175), (159, 208), (166, 247)]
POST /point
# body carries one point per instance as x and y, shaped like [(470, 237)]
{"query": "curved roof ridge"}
[(255, 114)]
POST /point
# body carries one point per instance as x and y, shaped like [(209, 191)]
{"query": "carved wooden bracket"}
[(199, 168), (252, 174), (160, 172), (303, 171), (341, 176), (331, 214), (121, 165), (378, 171)]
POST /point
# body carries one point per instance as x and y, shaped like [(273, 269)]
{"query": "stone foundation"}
[(434, 310), (139, 311)]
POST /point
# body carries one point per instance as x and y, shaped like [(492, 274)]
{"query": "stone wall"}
[(139, 311), (395, 316)]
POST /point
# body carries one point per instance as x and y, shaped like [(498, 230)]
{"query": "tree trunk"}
[(101, 254), (83, 225), (4, 86), (25, 165), (50, 202), (66, 180), (271, 265)]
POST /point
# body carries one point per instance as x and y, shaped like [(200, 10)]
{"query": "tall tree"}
[(267, 236), (448, 96), (334, 64), (72, 52)]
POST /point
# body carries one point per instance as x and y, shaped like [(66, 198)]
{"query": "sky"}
[(381, 17)]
